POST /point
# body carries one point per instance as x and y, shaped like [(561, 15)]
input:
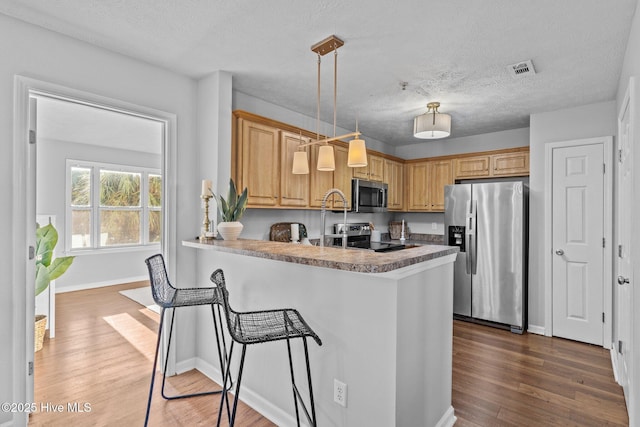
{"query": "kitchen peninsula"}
[(385, 320)]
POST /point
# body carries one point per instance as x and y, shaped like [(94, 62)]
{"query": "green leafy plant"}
[(47, 268), (232, 208)]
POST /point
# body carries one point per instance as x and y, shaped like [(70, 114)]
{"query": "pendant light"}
[(300, 161), (432, 124), (357, 157), (326, 159)]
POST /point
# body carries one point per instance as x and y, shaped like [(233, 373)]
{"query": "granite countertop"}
[(358, 260)]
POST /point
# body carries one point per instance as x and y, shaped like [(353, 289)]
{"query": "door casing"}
[(24, 215), (607, 142)]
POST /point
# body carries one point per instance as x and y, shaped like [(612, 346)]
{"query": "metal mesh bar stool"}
[(167, 296), (254, 327)]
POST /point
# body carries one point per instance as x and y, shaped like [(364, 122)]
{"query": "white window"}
[(112, 206)]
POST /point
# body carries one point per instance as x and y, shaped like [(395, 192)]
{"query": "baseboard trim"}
[(614, 364), (448, 418), (534, 329), (186, 365), (254, 400), (85, 286)]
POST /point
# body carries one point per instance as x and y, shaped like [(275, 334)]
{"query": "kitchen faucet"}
[(323, 215)]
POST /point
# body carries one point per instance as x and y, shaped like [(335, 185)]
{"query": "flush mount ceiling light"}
[(357, 156), (432, 124)]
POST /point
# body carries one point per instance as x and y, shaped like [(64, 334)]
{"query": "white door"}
[(624, 297), (578, 231)]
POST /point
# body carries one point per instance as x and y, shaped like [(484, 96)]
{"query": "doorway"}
[(579, 240), (25, 128), (623, 344)]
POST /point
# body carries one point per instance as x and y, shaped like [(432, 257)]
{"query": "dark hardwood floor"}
[(503, 379), (104, 345)]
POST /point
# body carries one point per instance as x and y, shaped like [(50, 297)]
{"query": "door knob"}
[(622, 280), (559, 252)]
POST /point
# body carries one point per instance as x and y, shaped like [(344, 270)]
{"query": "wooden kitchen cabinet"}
[(417, 189), (510, 164), (374, 171), (342, 177), (472, 167), (294, 189), (394, 177), (260, 163), (425, 185), (440, 175), (514, 163), (319, 181)]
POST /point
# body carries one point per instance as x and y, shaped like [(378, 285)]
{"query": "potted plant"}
[(231, 210), (47, 269)]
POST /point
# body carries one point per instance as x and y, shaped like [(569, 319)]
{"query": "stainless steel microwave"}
[(368, 196)]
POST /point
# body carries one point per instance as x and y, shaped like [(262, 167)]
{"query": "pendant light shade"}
[(300, 163), (357, 153), (326, 160), (432, 124)]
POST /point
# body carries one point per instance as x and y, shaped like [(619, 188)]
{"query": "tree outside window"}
[(114, 206)]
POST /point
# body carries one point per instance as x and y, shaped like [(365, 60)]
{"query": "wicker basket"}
[(395, 230), (41, 327)]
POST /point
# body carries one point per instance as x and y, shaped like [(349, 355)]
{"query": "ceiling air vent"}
[(521, 69)]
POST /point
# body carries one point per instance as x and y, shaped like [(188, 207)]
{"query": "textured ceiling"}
[(454, 51)]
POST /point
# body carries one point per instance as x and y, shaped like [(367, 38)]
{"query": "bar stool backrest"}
[(161, 289), (233, 320)]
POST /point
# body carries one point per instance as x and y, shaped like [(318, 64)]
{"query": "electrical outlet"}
[(434, 225), (340, 393)]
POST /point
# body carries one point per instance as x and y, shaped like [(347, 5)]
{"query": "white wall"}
[(587, 121), (631, 67), (88, 269), (466, 144), (44, 55)]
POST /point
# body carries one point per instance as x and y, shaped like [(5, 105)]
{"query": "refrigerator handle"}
[(473, 248), (468, 235)]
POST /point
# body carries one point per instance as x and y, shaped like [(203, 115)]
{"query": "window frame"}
[(96, 209)]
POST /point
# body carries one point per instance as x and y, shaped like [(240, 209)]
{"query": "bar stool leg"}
[(293, 383), (166, 359), (237, 396), (225, 389), (155, 363), (313, 406)]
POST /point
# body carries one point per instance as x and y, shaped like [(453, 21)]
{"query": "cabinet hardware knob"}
[(622, 280), (559, 252)]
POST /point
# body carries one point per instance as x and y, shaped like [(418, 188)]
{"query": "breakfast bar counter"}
[(385, 320), (357, 260)]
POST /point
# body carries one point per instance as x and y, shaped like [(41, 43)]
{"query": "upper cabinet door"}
[(376, 168), (472, 167), (417, 190), (394, 177), (510, 164), (260, 163), (440, 174), (294, 189)]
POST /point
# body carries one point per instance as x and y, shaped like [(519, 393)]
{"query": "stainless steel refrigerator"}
[(488, 222)]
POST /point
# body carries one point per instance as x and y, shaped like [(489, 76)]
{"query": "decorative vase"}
[(230, 230), (40, 329)]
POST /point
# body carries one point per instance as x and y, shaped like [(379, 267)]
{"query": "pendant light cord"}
[(335, 86), (318, 117)]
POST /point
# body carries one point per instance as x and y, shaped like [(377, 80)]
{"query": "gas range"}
[(359, 236)]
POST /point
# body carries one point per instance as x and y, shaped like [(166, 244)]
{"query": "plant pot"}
[(230, 230), (40, 329)]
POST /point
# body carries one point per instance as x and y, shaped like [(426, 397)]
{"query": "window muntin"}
[(111, 206)]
